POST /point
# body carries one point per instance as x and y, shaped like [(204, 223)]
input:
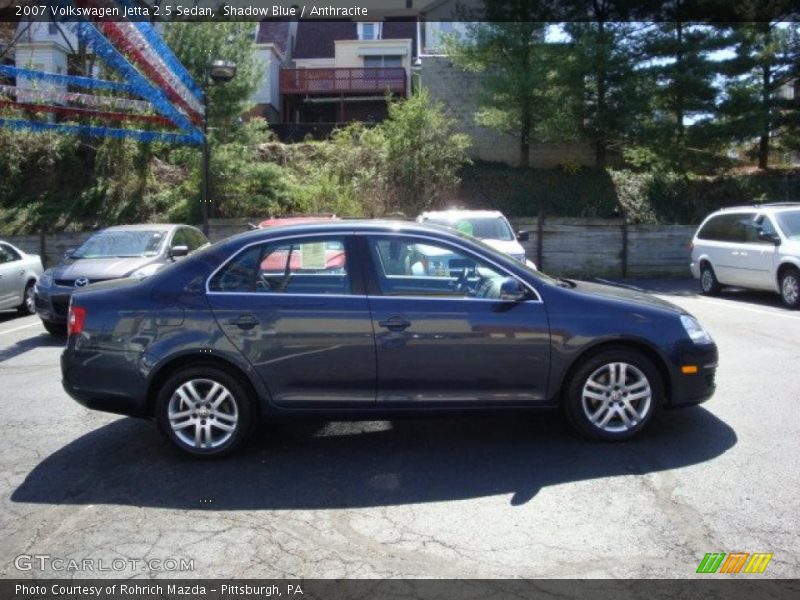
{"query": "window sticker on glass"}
[(313, 256)]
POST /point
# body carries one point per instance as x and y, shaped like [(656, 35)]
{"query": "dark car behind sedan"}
[(123, 251), (266, 324)]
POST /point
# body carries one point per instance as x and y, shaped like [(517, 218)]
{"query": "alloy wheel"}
[(707, 280), (616, 397), (790, 289), (203, 413), (30, 300)]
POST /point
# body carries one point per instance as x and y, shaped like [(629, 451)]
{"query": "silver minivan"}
[(755, 247)]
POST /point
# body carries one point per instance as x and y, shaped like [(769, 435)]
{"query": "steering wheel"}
[(462, 283)]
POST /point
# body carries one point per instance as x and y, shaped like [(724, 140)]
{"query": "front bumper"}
[(52, 303), (693, 388)]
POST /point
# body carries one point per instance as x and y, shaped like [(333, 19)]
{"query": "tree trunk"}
[(602, 92), (600, 154), (525, 138)]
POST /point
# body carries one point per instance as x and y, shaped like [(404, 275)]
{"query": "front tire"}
[(708, 281), (56, 329), (28, 306), (204, 411), (790, 288), (613, 395)]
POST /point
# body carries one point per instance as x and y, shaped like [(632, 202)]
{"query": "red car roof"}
[(295, 220)]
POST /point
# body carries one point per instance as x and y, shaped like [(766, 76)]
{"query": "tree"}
[(522, 91), (603, 64), (754, 106)]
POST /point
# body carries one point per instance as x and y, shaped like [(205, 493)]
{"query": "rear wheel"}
[(204, 411), (708, 281), (613, 395), (790, 288), (28, 306), (56, 329)]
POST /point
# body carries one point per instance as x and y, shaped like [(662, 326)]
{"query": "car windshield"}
[(119, 244), (789, 222), (483, 228)]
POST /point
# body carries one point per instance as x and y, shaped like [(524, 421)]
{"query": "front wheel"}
[(204, 411), (28, 306), (613, 395), (790, 288)]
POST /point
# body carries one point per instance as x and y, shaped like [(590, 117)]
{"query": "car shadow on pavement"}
[(42, 340), (306, 465)]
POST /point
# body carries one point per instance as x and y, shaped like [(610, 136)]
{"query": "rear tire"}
[(613, 395), (56, 329), (790, 288), (708, 281), (204, 411), (28, 306)]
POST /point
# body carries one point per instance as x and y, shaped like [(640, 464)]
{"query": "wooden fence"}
[(561, 246)]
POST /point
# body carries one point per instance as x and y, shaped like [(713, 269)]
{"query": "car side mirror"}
[(69, 252), (512, 290), (178, 251), (523, 236), (772, 238)]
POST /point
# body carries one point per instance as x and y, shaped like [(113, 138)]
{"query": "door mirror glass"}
[(523, 236), (512, 290), (772, 238), (69, 252), (178, 251)]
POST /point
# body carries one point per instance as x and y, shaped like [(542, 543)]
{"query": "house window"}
[(369, 31), (383, 61)]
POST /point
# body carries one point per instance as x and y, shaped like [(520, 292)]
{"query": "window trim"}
[(378, 31), (354, 271), (372, 274)]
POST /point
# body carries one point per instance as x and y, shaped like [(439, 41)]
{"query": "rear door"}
[(758, 257), (443, 336), (723, 238), (296, 308)]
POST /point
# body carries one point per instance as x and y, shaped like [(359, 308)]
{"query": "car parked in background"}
[(490, 226), (323, 320), (135, 251), (295, 219), (19, 273), (755, 247)]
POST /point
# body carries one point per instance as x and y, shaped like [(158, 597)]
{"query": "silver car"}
[(19, 273)]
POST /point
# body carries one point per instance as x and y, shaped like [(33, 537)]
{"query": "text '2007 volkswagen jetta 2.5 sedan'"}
[(353, 320)]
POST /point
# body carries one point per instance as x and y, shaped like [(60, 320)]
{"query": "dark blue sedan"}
[(367, 319)]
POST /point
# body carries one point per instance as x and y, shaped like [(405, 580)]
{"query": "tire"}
[(591, 392), (199, 415), (56, 329), (28, 306), (790, 288), (708, 281)]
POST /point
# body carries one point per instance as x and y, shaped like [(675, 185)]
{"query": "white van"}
[(756, 247)]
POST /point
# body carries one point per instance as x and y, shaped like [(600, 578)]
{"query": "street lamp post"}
[(217, 71)]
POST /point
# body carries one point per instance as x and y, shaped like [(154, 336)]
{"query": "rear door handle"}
[(395, 323), (244, 321)]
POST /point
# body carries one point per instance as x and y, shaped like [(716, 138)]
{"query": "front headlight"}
[(46, 280), (695, 331), (145, 271)]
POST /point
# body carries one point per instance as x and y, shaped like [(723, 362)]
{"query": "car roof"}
[(766, 206), (277, 221), (458, 213), (145, 227)]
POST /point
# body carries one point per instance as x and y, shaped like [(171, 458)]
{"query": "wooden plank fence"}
[(561, 246)]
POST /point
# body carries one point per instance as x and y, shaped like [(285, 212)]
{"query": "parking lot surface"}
[(500, 496)]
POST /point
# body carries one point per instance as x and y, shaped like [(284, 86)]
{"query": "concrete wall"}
[(576, 247), (458, 90)]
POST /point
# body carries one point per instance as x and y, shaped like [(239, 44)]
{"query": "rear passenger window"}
[(302, 266), (726, 227)]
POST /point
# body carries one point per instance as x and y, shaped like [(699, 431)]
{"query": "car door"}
[(757, 257), (443, 335), (12, 282), (296, 308), (723, 238)]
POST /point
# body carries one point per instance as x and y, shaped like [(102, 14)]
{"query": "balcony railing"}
[(376, 80)]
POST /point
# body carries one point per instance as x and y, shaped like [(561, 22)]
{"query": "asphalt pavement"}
[(500, 496)]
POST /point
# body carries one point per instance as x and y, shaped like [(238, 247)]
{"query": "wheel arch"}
[(637, 345), (177, 363)]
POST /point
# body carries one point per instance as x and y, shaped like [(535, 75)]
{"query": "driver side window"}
[(417, 267)]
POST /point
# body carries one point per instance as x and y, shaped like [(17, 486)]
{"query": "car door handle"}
[(244, 321), (395, 323)]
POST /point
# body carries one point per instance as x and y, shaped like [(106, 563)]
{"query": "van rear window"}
[(726, 227)]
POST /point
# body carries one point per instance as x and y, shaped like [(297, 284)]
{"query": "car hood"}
[(100, 268), (625, 294), (512, 247)]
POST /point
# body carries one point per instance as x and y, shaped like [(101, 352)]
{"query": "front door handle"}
[(395, 323), (244, 321)]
